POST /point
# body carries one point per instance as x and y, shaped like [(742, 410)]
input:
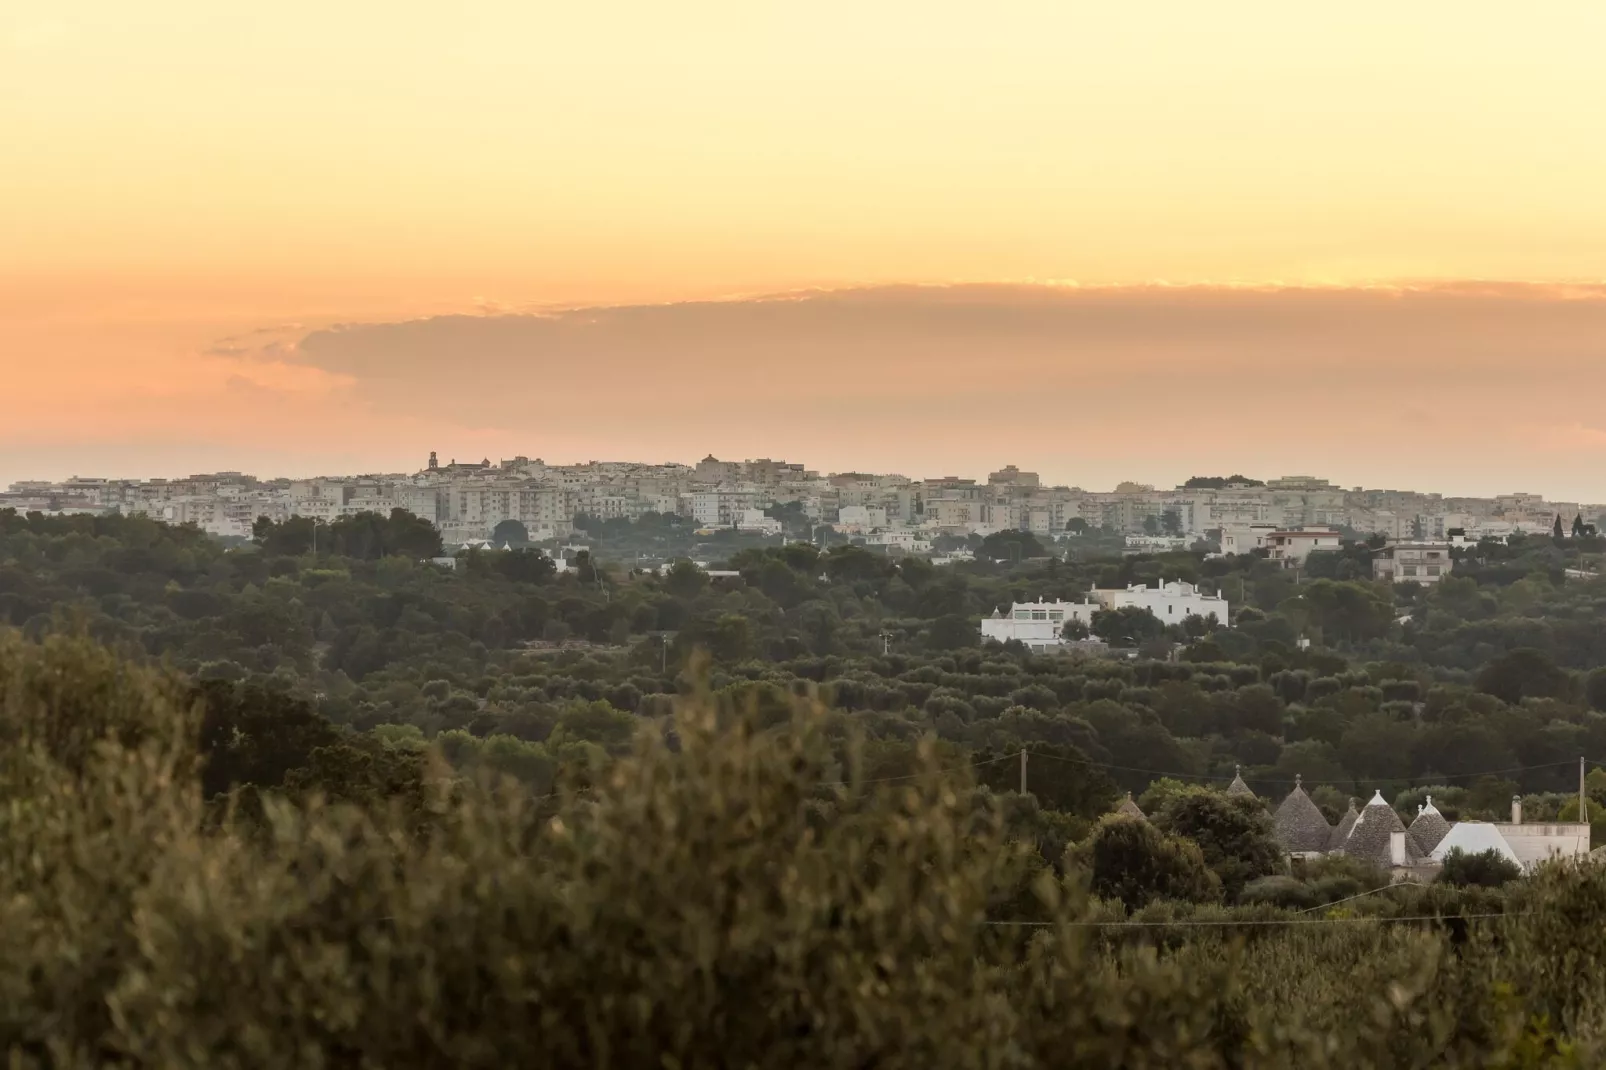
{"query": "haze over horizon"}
[(204, 194)]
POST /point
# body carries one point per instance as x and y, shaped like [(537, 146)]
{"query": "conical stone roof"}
[(1238, 787), (1299, 822), (1128, 808), (1429, 827), (1371, 837), (1342, 829)]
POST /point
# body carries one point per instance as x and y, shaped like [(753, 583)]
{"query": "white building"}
[(1245, 538), (860, 518), (1155, 544), (1528, 845), (754, 521), (721, 508), (1412, 562), (1291, 548), (1039, 625), (904, 539), (1171, 602)]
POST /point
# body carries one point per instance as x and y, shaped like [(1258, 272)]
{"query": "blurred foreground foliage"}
[(730, 890)]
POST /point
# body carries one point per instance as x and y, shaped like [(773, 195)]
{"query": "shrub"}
[(1484, 869), (717, 896), (1131, 860)]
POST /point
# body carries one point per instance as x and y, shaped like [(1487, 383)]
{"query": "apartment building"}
[(722, 508)]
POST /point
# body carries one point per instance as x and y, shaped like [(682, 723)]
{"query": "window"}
[(1410, 570), (1038, 614), (1055, 614), (1433, 570)]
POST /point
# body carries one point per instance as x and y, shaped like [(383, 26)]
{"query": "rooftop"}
[(1300, 825)]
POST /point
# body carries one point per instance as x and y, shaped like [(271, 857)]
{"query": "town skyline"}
[(470, 502), (977, 473)]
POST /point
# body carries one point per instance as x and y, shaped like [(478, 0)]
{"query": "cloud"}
[(1460, 387), (1091, 383)]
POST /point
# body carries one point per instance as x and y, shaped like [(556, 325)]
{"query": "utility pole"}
[(1023, 769), (886, 643), (1583, 812)]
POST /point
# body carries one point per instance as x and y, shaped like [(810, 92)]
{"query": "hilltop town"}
[(466, 501)]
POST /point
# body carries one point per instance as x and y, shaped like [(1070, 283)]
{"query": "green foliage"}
[(1219, 482), (366, 536), (1130, 860), (1060, 775), (510, 533), (1014, 546), (1484, 869), (1126, 626), (1234, 835), (733, 892), (1521, 674), (251, 734), (97, 795), (1595, 690)]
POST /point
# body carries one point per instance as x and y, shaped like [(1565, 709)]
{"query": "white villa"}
[(1171, 602), (1039, 625)]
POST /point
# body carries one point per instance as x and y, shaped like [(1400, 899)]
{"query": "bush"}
[(1130, 860), (718, 896), (1234, 835), (1484, 869), (1279, 891)]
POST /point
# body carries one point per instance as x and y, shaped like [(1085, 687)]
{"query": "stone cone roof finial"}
[(1341, 831), (1238, 787), (1128, 808), (1371, 836), (1300, 825), (1429, 827)]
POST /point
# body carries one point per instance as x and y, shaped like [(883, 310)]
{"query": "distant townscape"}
[(466, 502)]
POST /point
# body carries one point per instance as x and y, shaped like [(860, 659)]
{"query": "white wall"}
[(1171, 602), (1037, 623)]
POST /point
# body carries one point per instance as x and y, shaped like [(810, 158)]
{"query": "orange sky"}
[(173, 174)]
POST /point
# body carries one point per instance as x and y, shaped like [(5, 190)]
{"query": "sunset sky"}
[(1114, 241)]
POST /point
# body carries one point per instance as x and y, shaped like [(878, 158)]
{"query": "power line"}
[(830, 783), (1223, 923), (1013, 756), (917, 776), (1436, 778)]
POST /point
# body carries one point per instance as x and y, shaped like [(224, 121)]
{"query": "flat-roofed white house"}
[(1291, 548), (1171, 602), (1039, 625), (1527, 843), (1241, 539), (1412, 562)]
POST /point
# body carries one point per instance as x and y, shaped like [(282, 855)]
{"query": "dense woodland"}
[(516, 788)]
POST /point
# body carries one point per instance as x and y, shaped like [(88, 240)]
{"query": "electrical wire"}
[(833, 783), (1222, 923), (1430, 780)]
